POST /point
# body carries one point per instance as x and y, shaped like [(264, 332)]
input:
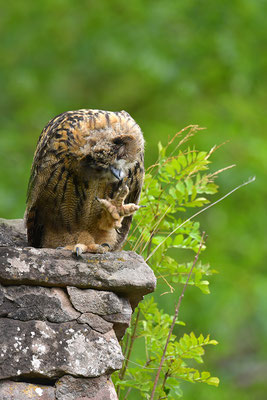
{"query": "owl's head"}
[(112, 146)]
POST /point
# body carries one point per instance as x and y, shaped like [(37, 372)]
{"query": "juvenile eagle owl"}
[(85, 182)]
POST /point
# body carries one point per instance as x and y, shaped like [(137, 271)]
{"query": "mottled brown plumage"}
[(85, 182)]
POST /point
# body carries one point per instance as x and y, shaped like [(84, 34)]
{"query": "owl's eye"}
[(120, 147), (118, 141), (89, 160)]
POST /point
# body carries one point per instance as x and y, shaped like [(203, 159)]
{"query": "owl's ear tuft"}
[(127, 146), (88, 160)]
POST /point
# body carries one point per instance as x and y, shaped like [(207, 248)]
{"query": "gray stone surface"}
[(95, 322), (70, 388), (34, 302), (121, 321), (97, 302), (12, 232), (122, 272), (111, 307), (61, 318), (66, 388), (10, 390), (38, 348)]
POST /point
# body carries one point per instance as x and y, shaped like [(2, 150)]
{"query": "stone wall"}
[(61, 318)]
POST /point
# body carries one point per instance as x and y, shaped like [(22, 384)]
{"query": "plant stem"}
[(133, 337), (124, 351), (165, 379), (177, 308)]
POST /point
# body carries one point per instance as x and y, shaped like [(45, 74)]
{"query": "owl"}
[(85, 182)]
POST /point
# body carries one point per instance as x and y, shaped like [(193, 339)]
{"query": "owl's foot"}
[(80, 248), (115, 208)]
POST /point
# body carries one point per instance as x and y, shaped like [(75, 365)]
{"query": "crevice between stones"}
[(36, 380)]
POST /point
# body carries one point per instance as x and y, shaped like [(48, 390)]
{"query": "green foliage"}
[(154, 328), (173, 185)]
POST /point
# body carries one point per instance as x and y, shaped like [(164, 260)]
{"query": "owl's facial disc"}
[(108, 170)]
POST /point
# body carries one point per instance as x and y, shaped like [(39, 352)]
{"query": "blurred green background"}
[(169, 63)]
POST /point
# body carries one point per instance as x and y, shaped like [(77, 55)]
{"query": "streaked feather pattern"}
[(84, 157)]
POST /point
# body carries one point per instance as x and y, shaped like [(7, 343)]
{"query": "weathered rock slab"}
[(70, 388), (98, 302), (10, 390), (35, 302), (61, 316), (38, 348), (95, 322), (121, 272), (111, 307), (12, 232), (66, 388)]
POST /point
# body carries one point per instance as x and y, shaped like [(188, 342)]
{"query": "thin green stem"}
[(177, 308), (133, 337)]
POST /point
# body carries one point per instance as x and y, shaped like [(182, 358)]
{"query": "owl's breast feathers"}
[(81, 156)]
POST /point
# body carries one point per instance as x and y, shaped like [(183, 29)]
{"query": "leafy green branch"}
[(179, 181), (177, 308)]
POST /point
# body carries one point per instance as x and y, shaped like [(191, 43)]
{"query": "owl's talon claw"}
[(105, 245), (77, 251)]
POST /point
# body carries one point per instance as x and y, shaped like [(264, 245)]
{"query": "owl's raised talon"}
[(122, 193)]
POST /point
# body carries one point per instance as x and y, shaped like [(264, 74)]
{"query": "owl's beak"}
[(116, 172)]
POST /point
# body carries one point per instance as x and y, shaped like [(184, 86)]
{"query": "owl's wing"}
[(40, 173), (33, 217), (35, 226), (134, 183)]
